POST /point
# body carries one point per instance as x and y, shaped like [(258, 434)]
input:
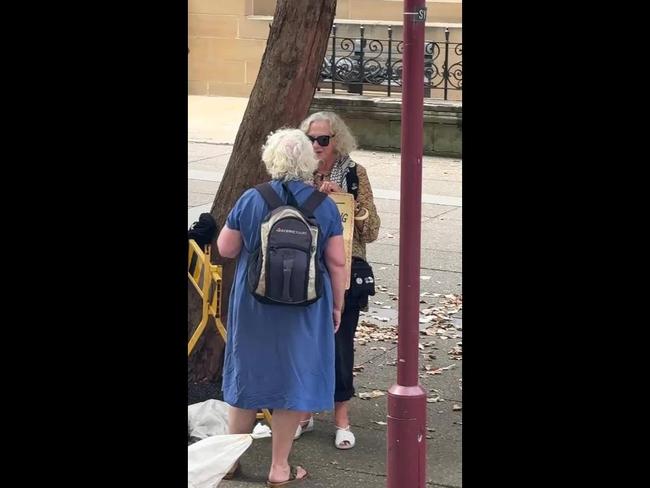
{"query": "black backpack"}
[(284, 269)]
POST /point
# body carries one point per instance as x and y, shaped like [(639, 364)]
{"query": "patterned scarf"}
[(340, 171)]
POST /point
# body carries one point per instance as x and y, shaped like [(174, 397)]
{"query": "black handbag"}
[(362, 281), (204, 231)]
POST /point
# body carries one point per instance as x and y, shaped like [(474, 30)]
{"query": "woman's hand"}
[(336, 317), (329, 187)]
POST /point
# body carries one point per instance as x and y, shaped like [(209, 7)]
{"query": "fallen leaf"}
[(381, 423), (440, 370), (372, 394), (426, 278), (456, 408)]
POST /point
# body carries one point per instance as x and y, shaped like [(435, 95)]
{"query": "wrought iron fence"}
[(355, 63)]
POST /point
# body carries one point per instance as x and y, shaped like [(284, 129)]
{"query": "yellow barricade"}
[(206, 278)]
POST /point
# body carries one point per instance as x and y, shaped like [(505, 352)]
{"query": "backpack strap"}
[(352, 180), (274, 201), (313, 201), (269, 195)]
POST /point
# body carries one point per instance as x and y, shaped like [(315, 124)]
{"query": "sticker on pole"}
[(418, 16)]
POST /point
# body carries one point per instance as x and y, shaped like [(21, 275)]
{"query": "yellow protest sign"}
[(345, 204)]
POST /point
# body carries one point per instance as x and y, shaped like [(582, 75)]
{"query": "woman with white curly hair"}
[(281, 357)]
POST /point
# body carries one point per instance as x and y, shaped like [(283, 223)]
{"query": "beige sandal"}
[(304, 428)]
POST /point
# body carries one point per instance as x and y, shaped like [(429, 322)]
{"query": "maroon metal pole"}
[(406, 450)]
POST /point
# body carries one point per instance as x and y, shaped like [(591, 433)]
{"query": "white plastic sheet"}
[(207, 418), (212, 456), (210, 459)]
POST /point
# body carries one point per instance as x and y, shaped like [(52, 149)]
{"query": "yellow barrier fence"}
[(206, 278)]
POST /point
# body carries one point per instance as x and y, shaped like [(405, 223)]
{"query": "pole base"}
[(406, 452)]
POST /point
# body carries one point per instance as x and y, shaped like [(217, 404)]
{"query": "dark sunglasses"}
[(323, 141)]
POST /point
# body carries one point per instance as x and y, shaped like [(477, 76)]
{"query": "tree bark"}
[(282, 94)]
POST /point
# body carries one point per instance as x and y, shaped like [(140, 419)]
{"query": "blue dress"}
[(279, 356)]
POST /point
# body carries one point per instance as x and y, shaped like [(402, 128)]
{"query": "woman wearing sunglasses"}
[(332, 143)]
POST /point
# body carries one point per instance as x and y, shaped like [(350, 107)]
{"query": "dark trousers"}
[(344, 351)]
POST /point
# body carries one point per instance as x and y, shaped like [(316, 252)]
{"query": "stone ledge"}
[(376, 121)]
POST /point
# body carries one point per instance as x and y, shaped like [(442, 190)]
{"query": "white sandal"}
[(344, 438), (306, 428)]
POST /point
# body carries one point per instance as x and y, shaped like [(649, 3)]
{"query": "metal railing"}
[(358, 63)]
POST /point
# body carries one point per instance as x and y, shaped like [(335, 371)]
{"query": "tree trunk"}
[(282, 94)]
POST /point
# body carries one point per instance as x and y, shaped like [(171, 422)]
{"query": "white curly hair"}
[(288, 155), (345, 142)]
